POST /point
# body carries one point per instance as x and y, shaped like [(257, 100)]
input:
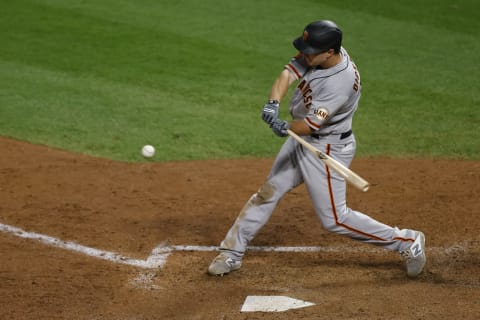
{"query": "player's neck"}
[(332, 61)]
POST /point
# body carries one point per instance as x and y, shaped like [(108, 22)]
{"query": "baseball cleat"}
[(223, 264), (415, 257)]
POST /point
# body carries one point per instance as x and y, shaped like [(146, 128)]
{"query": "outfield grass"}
[(190, 77)]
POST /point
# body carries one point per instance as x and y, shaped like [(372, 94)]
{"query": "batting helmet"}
[(319, 36)]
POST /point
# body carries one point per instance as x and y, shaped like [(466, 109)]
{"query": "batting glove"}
[(270, 111), (280, 127)]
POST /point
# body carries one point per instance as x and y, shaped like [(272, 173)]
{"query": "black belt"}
[(342, 135)]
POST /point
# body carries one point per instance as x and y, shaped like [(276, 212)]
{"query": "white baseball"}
[(148, 151)]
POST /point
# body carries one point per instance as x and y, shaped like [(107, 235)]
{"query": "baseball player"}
[(322, 108)]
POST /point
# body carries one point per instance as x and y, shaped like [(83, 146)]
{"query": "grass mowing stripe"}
[(190, 77), (132, 54), (445, 16), (60, 102)]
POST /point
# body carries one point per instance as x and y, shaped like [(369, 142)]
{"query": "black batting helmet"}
[(319, 36)]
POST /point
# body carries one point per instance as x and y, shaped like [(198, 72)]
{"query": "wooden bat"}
[(345, 172)]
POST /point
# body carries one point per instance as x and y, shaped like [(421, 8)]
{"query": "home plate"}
[(272, 304)]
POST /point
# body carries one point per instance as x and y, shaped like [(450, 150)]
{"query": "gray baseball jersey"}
[(326, 99)]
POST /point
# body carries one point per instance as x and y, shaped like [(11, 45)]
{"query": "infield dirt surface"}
[(131, 208)]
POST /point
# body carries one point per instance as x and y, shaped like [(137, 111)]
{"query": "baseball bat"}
[(350, 176)]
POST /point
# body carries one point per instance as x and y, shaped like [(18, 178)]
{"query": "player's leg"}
[(328, 192), (283, 177)]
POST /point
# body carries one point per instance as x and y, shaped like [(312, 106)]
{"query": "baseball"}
[(148, 151)]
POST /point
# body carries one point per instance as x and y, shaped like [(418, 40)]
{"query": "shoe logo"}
[(416, 249)]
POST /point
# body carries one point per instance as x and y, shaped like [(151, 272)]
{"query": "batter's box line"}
[(159, 255), (155, 260), (463, 246)]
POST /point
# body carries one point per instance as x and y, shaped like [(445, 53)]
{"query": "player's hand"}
[(280, 127), (270, 111)]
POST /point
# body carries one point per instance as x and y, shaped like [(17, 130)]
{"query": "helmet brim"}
[(304, 47)]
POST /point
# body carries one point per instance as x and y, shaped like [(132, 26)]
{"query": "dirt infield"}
[(132, 208)]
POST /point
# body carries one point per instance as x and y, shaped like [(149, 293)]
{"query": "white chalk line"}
[(304, 249), (155, 260), (158, 257)]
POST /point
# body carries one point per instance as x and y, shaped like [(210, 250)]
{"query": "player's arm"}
[(319, 113), (300, 127), (293, 71), (281, 85), (279, 90)]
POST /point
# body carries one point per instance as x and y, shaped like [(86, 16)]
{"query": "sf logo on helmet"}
[(305, 35)]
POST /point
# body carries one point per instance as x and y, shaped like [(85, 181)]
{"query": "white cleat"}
[(223, 264), (415, 257)]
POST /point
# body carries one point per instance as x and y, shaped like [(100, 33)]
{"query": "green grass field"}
[(190, 77)]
